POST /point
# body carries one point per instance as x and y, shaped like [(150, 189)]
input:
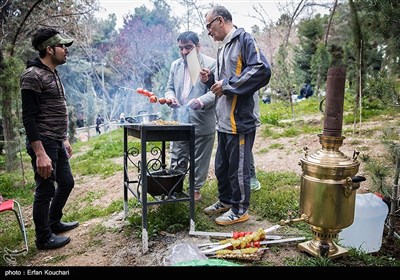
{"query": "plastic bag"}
[(182, 253)]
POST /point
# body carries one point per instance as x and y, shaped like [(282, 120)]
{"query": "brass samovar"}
[(328, 180)]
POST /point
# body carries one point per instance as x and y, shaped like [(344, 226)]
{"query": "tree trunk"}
[(10, 135), (358, 39), (394, 200)]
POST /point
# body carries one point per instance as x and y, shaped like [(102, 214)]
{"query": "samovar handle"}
[(306, 151), (320, 105), (358, 179), (355, 155), (352, 184)]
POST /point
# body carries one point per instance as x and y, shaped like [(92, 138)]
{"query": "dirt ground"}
[(115, 248)]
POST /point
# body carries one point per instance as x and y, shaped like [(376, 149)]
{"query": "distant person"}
[(309, 91), (192, 103), (45, 118), (306, 91), (242, 70), (99, 121), (266, 99), (80, 123)]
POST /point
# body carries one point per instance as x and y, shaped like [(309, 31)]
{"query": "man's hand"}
[(204, 75), (195, 104), (43, 165), (217, 88), (174, 103), (43, 162), (68, 148)]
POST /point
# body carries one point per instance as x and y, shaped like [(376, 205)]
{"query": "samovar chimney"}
[(328, 180), (333, 117)]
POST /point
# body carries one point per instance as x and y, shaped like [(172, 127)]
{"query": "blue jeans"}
[(50, 200)]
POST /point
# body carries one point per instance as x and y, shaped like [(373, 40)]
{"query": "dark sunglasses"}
[(61, 46)]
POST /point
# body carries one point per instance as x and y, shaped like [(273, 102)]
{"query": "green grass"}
[(277, 146), (76, 212), (278, 121), (14, 186), (98, 157), (280, 110), (307, 261), (170, 217), (278, 197)]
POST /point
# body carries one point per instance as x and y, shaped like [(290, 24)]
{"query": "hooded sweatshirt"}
[(44, 107)]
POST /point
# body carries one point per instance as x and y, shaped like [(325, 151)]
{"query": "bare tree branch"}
[(22, 23), (330, 22)]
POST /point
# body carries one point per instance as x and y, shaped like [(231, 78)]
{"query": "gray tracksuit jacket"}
[(244, 70)]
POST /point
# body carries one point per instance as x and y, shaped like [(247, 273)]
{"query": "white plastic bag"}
[(183, 252)]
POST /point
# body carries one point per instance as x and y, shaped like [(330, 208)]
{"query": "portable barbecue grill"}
[(153, 176)]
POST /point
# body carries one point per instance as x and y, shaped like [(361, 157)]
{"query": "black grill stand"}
[(155, 133)]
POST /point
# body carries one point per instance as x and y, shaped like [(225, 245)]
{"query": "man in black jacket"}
[(99, 121), (45, 118)]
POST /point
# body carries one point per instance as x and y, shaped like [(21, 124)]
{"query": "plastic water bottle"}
[(365, 234)]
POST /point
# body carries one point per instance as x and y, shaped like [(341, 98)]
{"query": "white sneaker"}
[(230, 218), (217, 207), (254, 184)]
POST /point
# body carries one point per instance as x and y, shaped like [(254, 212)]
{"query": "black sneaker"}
[(63, 227), (53, 242)]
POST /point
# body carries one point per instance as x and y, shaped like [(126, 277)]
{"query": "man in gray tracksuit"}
[(241, 70), (192, 104)]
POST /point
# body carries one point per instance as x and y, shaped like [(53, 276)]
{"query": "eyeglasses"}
[(61, 46), (208, 26), (187, 48)]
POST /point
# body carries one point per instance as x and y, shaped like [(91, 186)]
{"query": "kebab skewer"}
[(242, 241), (234, 234), (253, 244), (152, 97)]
